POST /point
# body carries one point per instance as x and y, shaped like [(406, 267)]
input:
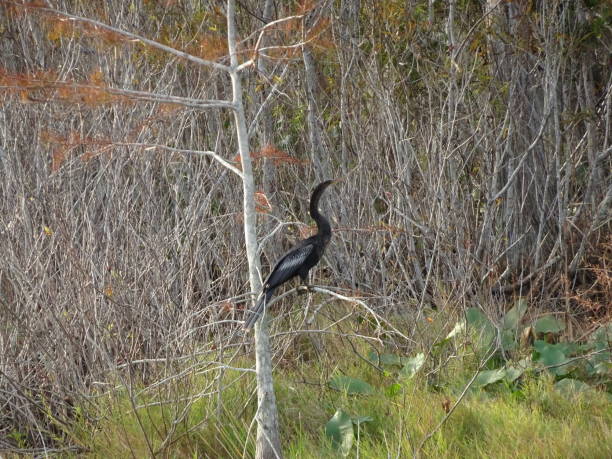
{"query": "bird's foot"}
[(301, 289)]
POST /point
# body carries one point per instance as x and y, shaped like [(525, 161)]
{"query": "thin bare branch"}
[(132, 36)]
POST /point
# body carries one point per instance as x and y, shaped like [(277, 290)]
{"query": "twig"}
[(130, 35), (212, 154)]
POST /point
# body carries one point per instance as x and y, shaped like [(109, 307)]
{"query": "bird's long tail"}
[(254, 314)]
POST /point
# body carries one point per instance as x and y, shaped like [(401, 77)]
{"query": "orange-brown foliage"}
[(19, 8), (211, 46), (318, 35), (58, 27), (58, 156), (262, 205), (277, 156), (45, 86), (63, 146)]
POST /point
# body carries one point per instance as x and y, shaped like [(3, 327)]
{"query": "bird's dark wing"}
[(289, 265)]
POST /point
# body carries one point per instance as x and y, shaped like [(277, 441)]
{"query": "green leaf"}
[(457, 330), (350, 385), (567, 348), (513, 372), (552, 355), (384, 359), (340, 430), (487, 377), (569, 386), (508, 340), (548, 324), (413, 365), (602, 338), (390, 359), (475, 318), (510, 325), (362, 419), (603, 335), (393, 390), (483, 326), (514, 315), (600, 342), (603, 368)]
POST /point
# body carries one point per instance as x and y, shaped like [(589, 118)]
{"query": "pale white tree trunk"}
[(268, 439)]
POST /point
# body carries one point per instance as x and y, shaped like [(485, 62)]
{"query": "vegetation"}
[(366, 406), (463, 306)]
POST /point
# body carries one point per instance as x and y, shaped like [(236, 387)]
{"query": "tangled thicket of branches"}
[(474, 139)]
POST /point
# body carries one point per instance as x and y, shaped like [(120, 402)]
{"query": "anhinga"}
[(298, 260)]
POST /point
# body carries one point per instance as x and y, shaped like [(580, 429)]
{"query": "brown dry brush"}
[(476, 165)]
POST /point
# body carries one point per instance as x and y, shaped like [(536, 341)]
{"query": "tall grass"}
[(530, 419)]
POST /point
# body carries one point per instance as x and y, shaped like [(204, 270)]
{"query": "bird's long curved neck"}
[(323, 226)]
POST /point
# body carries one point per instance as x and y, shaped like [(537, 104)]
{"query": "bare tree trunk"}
[(268, 439), (315, 135)]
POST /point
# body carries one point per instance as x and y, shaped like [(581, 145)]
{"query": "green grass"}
[(528, 420)]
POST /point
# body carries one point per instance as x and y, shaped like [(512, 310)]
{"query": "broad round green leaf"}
[(390, 359), (602, 338), (384, 359), (514, 315), (569, 386), (340, 430), (350, 385), (483, 327), (552, 355), (548, 324), (508, 340), (487, 377), (513, 372)]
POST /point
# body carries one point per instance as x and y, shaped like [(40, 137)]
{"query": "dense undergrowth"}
[(364, 400)]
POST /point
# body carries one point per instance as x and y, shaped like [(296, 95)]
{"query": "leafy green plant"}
[(589, 361), (554, 357), (600, 346), (548, 324), (486, 377), (570, 386), (484, 329), (339, 429), (351, 386), (409, 365), (412, 365), (510, 325)]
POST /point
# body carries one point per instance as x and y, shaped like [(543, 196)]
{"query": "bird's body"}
[(299, 260)]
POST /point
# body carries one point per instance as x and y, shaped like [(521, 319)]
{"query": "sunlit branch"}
[(212, 154)]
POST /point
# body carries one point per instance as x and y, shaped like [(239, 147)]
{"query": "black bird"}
[(298, 260)]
